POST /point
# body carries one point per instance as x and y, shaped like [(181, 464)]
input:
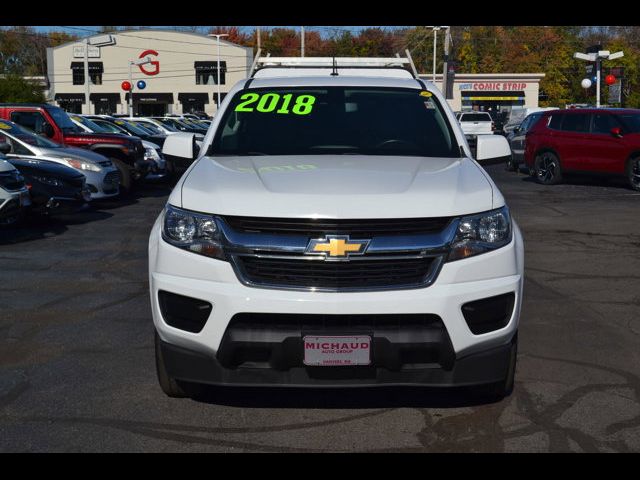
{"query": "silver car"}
[(103, 178), (14, 195)]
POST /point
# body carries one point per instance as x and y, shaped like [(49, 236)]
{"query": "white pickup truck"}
[(334, 230), (476, 123)]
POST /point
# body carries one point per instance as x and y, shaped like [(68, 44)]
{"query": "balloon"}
[(141, 84), (586, 83), (610, 79), (126, 86)]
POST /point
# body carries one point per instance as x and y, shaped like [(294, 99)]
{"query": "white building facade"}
[(182, 78)]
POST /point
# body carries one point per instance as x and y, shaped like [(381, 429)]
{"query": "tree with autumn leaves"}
[(474, 49)]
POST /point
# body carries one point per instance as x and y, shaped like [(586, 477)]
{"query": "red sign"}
[(499, 86), (155, 63)]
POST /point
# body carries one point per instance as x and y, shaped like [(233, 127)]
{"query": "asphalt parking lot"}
[(77, 367)]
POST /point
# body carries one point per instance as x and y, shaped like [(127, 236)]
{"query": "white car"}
[(14, 195), (476, 123), (334, 231)]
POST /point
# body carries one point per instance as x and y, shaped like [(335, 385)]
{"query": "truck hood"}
[(335, 186)]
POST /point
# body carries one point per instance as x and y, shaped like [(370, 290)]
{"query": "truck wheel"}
[(126, 181), (633, 173), (547, 169), (170, 386)]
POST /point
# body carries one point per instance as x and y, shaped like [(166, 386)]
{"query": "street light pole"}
[(218, 35), (597, 57), (302, 41), (142, 61), (99, 41), (435, 42), (87, 107)]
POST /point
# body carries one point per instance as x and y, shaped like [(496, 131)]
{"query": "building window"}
[(78, 77), (95, 72), (207, 73)]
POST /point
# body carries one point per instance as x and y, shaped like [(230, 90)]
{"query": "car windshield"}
[(151, 127), (335, 120), (631, 122), (62, 120), (130, 127), (26, 136), (94, 127), (109, 127)]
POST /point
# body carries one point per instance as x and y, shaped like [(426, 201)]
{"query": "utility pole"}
[(445, 69), (258, 36), (302, 41)]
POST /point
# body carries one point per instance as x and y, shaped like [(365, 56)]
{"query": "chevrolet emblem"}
[(337, 247)]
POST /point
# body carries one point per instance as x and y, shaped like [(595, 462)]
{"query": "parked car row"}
[(554, 143), (52, 162)]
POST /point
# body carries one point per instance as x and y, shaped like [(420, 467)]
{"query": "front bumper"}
[(477, 369), (104, 184), (478, 358)]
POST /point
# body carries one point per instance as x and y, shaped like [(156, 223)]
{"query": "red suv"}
[(603, 140)]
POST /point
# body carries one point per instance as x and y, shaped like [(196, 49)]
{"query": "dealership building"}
[(181, 78), (497, 92)]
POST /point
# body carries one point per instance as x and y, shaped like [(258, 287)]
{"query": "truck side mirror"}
[(180, 145), (492, 148), (616, 132), (5, 148)]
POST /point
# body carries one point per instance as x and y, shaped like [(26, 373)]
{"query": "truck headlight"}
[(195, 232), (481, 233)]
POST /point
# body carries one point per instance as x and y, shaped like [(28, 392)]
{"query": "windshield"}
[(130, 127), (109, 127), (94, 127), (26, 136), (62, 120), (631, 122), (151, 127), (335, 120)]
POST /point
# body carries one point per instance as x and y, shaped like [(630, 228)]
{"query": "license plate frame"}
[(341, 351)]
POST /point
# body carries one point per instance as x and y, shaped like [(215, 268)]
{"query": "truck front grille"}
[(317, 228), (319, 274)]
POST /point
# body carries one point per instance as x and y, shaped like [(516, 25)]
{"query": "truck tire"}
[(126, 181), (170, 386)]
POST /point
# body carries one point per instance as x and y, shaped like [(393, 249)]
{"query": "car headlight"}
[(481, 233), (195, 232), (151, 154), (81, 164), (56, 182)]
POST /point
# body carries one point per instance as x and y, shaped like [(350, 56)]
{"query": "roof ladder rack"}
[(334, 64)]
